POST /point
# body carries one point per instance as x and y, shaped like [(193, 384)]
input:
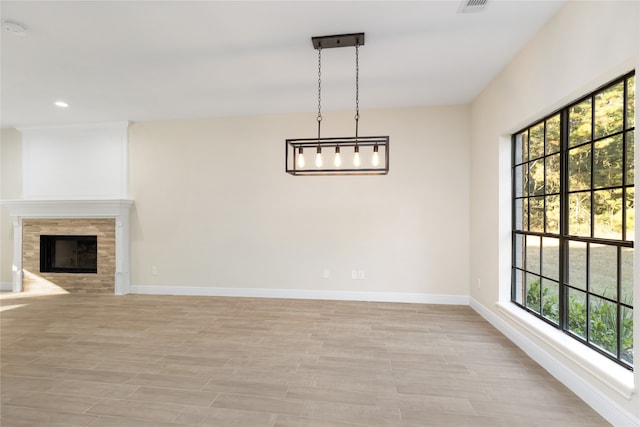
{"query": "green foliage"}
[(580, 122), (602, 330), (536, 141), (603, 326), (597, 163), (602, 321), (533, 296), (550, 306), (548, 303), (577, 316), (626, 336)]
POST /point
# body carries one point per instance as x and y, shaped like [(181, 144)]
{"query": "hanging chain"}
[(357, 88), (319, 118)]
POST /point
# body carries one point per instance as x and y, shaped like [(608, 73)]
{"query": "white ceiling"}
[(155, 60)]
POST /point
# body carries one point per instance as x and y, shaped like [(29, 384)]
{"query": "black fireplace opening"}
[(68, 254)]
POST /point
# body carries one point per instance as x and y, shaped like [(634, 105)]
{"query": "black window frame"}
[(527, 197)]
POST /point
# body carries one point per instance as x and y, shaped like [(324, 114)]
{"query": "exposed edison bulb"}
[(337, 161), (356, 156), (300, 158), (375, 160), (319, 157)]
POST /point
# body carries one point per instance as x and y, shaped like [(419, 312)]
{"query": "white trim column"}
[(16, 265), (122, 285)]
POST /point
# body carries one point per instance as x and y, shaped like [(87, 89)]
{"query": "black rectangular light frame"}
[(292, 147)]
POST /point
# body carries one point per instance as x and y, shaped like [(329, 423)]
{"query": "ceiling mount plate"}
[(342, 40)]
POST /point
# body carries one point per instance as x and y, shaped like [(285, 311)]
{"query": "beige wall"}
[(10, 188), (214, 207), (585, 45)]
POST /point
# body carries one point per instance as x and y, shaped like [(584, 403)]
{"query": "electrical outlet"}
[(360, 274), (354, 274), (154, 270), (325, 273)]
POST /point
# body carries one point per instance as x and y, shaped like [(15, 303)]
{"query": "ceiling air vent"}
[(472, 6)]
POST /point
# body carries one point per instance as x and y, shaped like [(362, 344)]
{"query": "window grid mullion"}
[(588, 295), (591, 167), (618, 307), (563, 298), (592, 217)]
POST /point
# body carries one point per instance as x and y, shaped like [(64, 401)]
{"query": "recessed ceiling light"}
[(61, 104), (14, 27)]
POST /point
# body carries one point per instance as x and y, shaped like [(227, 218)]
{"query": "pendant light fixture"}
[(363, 155)]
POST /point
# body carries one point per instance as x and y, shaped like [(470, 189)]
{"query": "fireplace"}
[(66, 244), (105, 219), (68, 254)]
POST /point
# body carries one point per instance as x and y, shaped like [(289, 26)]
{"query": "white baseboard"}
[(564, 373), (6, 286), (301, 294)]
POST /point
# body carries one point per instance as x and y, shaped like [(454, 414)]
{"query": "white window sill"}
[(610, 373)]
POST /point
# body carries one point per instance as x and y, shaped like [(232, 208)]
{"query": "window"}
[(573, 219)]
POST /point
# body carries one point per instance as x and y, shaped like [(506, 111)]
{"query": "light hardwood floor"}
[(161, 361)]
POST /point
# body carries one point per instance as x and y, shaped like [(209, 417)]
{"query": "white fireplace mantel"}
[(119, 209)]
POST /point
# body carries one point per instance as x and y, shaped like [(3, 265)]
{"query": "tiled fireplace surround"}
[(108, 219)]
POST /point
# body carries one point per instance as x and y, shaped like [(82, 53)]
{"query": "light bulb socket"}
[(337, 149), (356, 149), (300, 150), (375, 148), (319, 150)]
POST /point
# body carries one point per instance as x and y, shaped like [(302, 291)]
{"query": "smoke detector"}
[(472, 6), (14, 27)]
